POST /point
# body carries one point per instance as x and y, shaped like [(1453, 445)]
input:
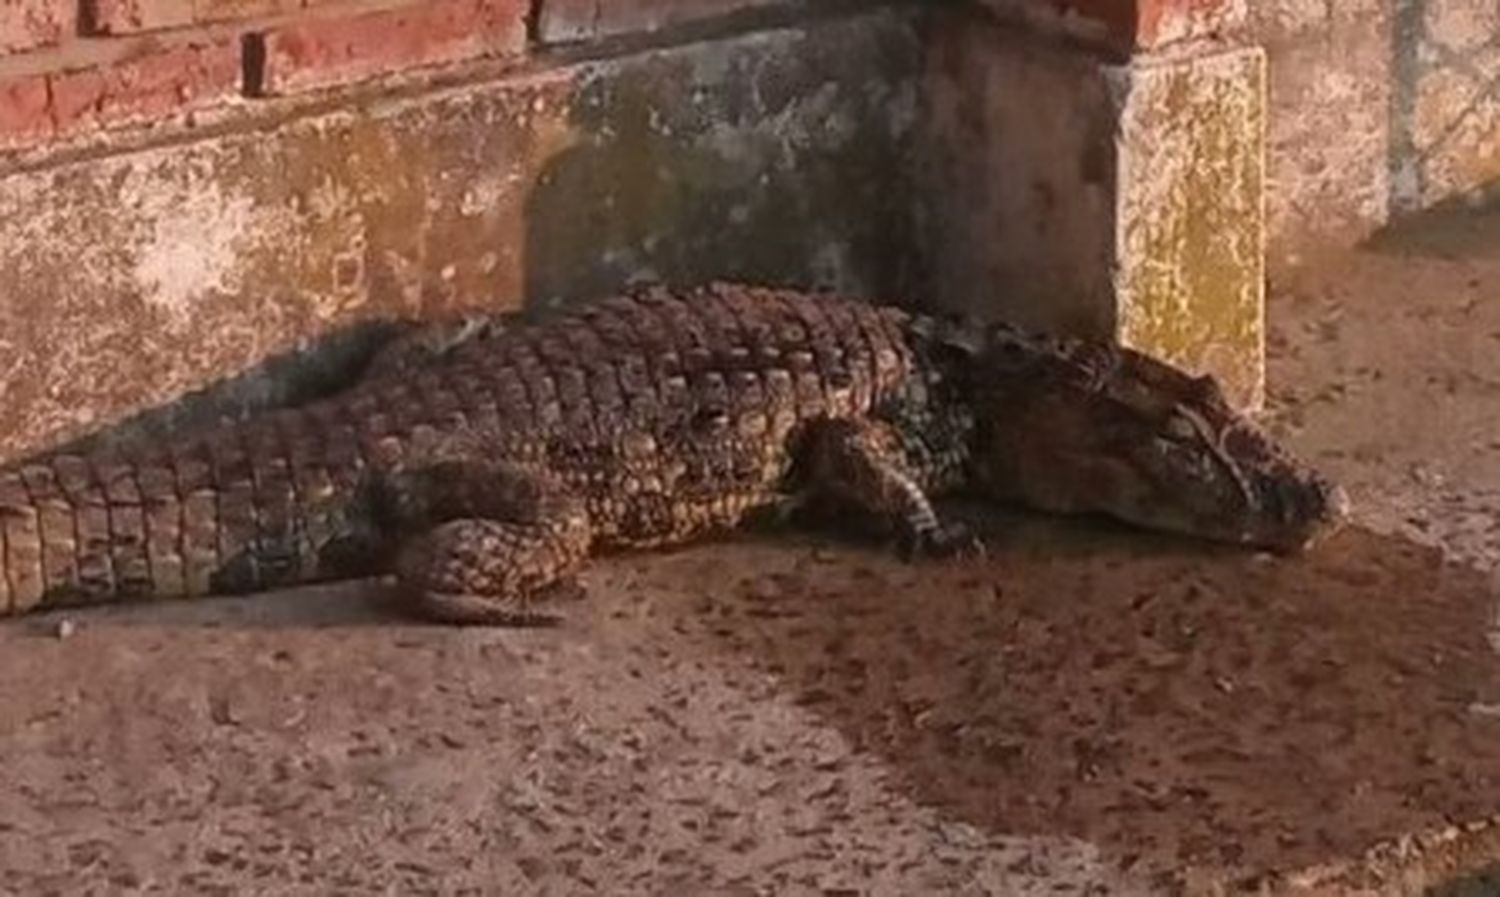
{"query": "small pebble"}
[(1487, 710), (66, 628)]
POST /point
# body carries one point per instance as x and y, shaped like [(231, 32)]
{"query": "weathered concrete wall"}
[(1378, 108), (189, 189), (1122, 200), (1019, 175), (775, 156)]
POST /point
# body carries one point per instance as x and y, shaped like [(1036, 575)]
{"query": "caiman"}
[(483, 465)]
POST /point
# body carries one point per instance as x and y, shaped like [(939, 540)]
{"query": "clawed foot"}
[(951, 540), (547, 607), (804, 508)]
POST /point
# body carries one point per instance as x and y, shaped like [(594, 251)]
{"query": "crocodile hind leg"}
[(862, 465), (483, 543), (479, 571)]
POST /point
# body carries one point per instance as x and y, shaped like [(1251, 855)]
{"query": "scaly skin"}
[(484, 467)]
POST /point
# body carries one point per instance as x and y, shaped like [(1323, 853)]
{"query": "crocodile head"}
[(1071, 426)]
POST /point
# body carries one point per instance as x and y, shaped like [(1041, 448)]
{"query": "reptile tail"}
[(241, 508), (67, 536)]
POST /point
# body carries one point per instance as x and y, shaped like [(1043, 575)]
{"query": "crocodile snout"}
[(1305, 509)]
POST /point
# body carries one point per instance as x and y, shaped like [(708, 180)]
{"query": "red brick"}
[(153, 85), (1164, 21), (573, 20), (128, 16), (24, 114), (330, 51), (1151, 23), (156, 84), (29, 24)]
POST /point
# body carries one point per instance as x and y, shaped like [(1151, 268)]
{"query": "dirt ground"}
[(1089, 711)]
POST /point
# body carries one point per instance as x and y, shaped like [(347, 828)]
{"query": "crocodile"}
[(482, 465)]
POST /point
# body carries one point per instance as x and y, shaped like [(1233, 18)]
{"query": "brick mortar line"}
[(267, 114), (86, 51)]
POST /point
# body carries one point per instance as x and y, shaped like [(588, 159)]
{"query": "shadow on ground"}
[(1178, 707), (1455, 230), (1478, 884)]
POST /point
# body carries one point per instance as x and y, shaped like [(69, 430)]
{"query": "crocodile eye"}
[(1208, 389), (1180, 428)]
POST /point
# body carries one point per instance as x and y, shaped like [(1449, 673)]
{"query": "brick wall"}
[(76, 69), (188, 187)]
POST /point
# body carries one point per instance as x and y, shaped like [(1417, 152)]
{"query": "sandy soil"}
[(1089, 711)]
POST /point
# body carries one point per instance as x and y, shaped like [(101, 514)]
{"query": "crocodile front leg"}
[(862, 465), (484, 543)]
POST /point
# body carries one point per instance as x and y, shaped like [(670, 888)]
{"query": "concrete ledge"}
[(1114, 200)]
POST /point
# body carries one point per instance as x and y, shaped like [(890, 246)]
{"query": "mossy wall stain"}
[(1191, 224)]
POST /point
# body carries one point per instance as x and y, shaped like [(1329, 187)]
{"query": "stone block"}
[(1077, 195), (334, 50), (29, 24), (1189, 275)]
